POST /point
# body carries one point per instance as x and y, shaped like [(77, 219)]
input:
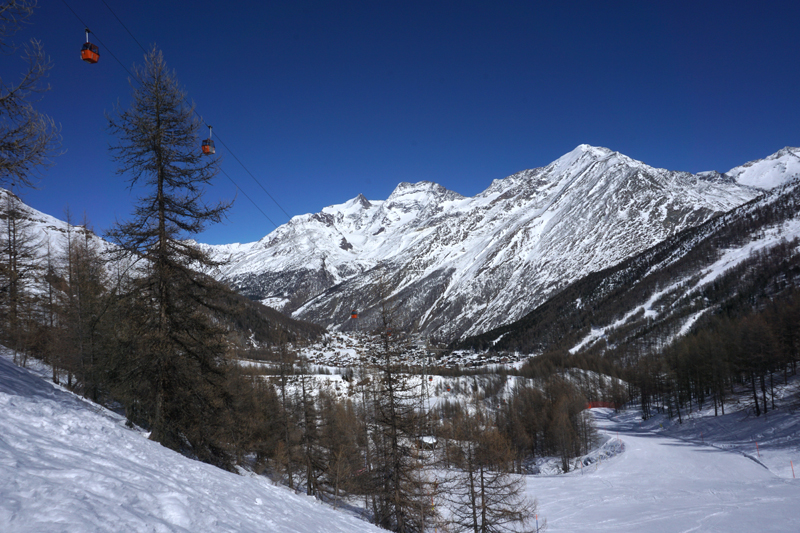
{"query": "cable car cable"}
[(219, 138), (195, 112), (124, 26), (247, 196)]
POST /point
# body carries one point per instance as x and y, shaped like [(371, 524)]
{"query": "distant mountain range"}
[(455, 266)]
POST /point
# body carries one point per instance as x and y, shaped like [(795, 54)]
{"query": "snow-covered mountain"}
[(769, 172), (743, 260), (46, 232), (459, 265)]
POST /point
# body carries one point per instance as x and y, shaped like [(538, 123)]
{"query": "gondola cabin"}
[(353, 314), (208, 144), (89, 52)]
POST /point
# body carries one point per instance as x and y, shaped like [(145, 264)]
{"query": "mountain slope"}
[(460, 265), (736, 260), (44, 234), (67, 465)]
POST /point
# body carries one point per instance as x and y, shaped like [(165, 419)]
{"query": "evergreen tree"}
[(397, 477), (18, 271), (175, 374), (339, 444), (82, 310), (27, 137)]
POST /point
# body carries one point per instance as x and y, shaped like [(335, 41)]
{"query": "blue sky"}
[(325, 100)]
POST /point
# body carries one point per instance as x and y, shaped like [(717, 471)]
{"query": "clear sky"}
[(322, 100)]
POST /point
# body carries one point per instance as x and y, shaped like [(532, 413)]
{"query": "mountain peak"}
[(405, 187), (597, 151), (770, 172), (416, 191), (585, 153), (362, 201)]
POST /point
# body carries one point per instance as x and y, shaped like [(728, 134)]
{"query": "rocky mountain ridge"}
[(455, 265)]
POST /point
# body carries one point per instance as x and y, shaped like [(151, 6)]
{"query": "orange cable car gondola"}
[(89, 52), (354, 314), (208, 144)]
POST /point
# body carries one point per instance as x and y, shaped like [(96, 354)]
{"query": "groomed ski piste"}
[(67, 465), (658, 476)]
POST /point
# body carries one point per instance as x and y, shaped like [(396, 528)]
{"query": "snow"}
[(498, 254), (687, 326), (67, 465), (660, 483), (729, 258), (646, 309), (769, 172)]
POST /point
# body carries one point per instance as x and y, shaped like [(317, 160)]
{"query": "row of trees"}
[(374, 441), (139, 324), (731, 355), (548, 421)]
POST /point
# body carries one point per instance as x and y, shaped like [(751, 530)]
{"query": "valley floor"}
[(661, 483)]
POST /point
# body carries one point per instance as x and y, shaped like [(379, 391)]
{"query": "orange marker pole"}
[(757, 452), (792, 463)]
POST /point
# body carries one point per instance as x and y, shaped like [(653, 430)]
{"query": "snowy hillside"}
[(47, 232), (459, 265), (68, 465), (665, 291)]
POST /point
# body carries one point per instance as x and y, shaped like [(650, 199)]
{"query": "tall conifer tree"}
[(175, 375)]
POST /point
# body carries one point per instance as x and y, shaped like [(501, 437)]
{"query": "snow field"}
[(68, 466)]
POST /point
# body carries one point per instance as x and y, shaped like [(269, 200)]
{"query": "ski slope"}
[(664, 484), (67, 465)]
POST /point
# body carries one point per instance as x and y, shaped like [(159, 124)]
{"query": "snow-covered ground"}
[(665, 484), (67, 465)]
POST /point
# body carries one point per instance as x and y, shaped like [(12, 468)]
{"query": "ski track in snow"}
[(662, 484)]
